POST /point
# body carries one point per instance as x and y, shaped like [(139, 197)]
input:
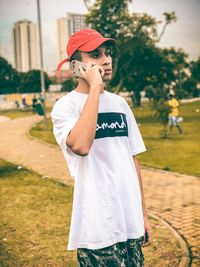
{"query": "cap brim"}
[(61, 63), (93, 44)]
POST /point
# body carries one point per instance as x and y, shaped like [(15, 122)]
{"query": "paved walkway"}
[(173, 197), (4, 119)]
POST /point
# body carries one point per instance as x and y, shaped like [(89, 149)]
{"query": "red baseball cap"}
[(85, 40)]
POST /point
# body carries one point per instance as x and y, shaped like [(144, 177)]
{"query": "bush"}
[(68, 85)]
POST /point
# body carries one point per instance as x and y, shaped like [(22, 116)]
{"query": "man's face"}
[(100, 56)]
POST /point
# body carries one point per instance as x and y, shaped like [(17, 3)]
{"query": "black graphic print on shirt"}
[(110, 124)]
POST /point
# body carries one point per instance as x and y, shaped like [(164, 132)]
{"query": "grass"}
[(18, 113), (35, 219), (39, 132), (177, 153)]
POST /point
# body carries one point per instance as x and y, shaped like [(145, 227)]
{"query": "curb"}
[(178, 174), (144, 167), (37, 139), (185, 260)]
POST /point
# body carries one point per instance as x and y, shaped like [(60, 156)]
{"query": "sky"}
[(184, 33)]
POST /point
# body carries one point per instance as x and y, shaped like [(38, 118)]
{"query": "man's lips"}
[(108, 71)]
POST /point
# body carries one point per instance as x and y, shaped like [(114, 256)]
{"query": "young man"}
[(174, 113), (99, 138)]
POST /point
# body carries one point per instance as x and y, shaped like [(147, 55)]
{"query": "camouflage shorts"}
[(122, 254)]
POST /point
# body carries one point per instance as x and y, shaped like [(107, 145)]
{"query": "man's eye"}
[(95, 55), (108, 53)]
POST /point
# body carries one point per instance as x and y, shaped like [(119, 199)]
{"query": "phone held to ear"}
[(75, 67)]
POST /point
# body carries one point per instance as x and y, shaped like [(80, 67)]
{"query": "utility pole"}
[(41, 65)]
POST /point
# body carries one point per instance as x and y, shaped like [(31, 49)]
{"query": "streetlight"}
[(41, 64)]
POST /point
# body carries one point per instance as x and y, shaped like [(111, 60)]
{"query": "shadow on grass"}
[(6, 169)]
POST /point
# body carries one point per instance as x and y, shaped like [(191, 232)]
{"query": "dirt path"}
[(173, 197), (17, 147)]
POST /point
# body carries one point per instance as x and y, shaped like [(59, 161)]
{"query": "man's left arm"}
[(147, 226)]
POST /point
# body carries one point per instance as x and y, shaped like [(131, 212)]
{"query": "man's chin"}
[(107, 77)]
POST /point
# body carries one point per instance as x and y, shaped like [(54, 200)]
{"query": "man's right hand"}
[(93, 75)]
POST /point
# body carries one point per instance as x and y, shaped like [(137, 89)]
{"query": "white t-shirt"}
[(107, 204)]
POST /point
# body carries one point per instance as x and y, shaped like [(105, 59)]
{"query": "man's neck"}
[(83, 87)]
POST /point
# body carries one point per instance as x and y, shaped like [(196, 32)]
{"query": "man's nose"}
[(106, 60)]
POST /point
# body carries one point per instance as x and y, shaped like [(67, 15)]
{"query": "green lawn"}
[(16, 113), (178, 153), (35, 218), (45, 135)]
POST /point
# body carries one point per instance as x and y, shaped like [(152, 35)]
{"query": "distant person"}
[(38, 104), (34, 102), (17, 104), (41, 99), (24, 103), (174, 113), (100, 139)]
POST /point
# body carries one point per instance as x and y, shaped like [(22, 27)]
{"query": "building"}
[(65, 27), (62, 32), (25, 44), (76, 22)]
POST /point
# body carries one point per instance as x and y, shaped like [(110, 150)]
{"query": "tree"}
[(88, 4), (137, 62), (68, 85), (169, 18), (176, 70), (189, 85), (31, 82), (9, 78), (195, 69)]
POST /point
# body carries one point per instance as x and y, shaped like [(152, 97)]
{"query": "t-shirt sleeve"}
[(64, 117), (134, 136)]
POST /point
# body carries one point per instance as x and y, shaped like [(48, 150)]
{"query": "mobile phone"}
[(75, 67)]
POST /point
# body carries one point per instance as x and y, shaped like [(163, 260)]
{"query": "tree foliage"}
[(195, 69), (9, 78), (169, 18), (12, 81), (31, 81), (137, 61), (68, 85), (190, 84)]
